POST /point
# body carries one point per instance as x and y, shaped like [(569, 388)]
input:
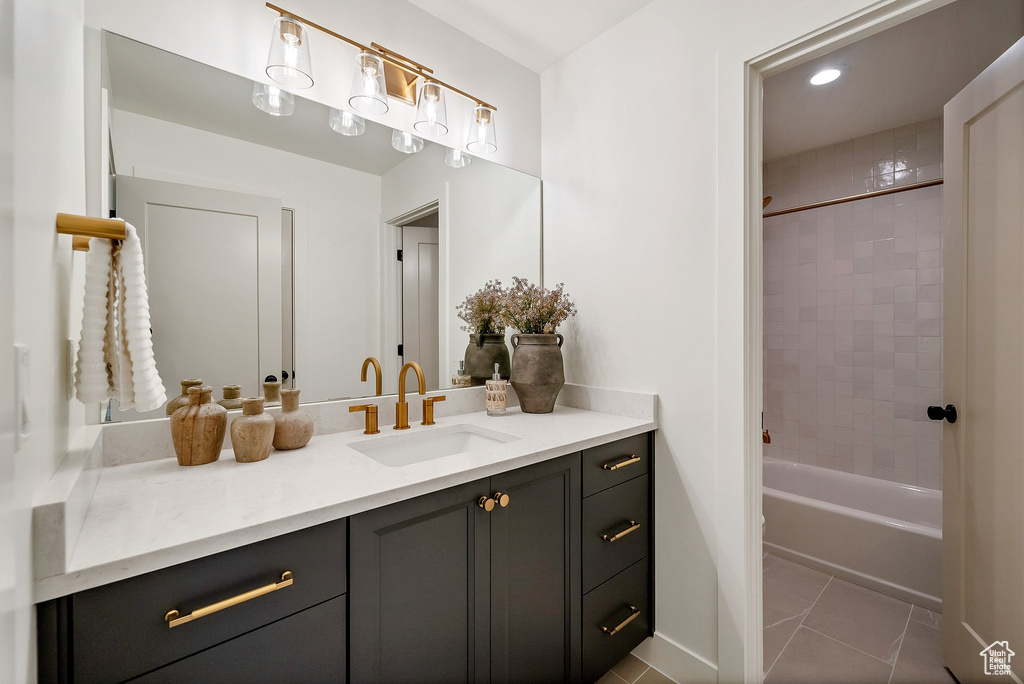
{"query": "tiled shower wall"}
[(853, 307)]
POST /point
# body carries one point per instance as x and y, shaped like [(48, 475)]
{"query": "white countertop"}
[(151, 515)]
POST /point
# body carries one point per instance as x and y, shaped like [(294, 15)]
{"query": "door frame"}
[(786, 41)]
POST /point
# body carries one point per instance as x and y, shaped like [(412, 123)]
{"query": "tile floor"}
[(632, 670), (820, 628)]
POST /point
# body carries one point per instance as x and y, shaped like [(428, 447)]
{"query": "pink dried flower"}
[(482, 311), (532, 310)]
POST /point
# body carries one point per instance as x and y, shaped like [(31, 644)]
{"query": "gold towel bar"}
[(85, 227)]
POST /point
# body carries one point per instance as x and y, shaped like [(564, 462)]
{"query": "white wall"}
[(43, 172), (490, 227), (337, 218), (234, 35), (635, 224)]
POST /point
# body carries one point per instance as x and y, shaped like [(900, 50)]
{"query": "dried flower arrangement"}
[(482, 311), (533, 310)]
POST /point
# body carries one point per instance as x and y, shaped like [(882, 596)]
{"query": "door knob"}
[(939, 413), (501, 499), (486, 503)]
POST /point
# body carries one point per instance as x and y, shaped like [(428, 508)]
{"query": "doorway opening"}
[(420, 281), (852, 300)]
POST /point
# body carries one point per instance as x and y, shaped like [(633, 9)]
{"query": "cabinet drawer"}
[(607, 609), (128, 618), (611, 464), (305, 647), (620, 513)]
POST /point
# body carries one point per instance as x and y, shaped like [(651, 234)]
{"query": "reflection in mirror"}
[(286, 238)]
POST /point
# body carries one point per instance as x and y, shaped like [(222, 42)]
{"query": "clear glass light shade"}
[(369, 91), (272, 99), (431, 117), (481, 138), (457, 158), (347, 123), (288, 62), (406, 142)]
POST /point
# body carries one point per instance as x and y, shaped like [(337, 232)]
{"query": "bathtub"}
[(880, 534)]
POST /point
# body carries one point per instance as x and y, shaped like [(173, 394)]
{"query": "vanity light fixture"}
[(272, 99), (346, 123), (431, 116), (823, 76), (406, 142), (380, 73), (481, 131), (288, 62), (457, 159)]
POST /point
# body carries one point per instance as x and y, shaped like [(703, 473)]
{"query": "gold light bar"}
[(85, 227), (393, 58)]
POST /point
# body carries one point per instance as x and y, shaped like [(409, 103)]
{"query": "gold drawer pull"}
[(633, 527), (621, 464), (172, 616), (618, 628)]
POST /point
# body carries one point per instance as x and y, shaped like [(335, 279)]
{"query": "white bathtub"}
[(883, 535)]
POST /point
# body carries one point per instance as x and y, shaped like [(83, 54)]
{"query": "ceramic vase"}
[(272, 391), (182, 400), (537, 371), (293, 428), (197, 429), (482, 353), (252, 433), (232, 397)]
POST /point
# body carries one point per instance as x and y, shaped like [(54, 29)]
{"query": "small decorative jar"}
[(232, 397), (182, 400), (197, 430), (252, 433), (272, 391), (294, 428)]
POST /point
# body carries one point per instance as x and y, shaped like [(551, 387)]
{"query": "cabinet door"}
[(419, 589), (306, 647), (535, 574)]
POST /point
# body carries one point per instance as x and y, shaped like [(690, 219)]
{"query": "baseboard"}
[(675, 661)]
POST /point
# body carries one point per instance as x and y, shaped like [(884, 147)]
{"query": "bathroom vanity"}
[(531, 560)]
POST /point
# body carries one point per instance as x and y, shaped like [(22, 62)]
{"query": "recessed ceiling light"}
[(825, 76)]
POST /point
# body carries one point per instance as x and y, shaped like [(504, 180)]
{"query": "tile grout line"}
[(642, 673), (813, 603), (903, 640)]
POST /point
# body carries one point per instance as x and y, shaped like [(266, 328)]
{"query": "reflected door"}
[(213, 269), (983, 371), (420, 330)]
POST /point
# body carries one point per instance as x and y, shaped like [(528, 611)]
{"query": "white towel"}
[(115, 357)]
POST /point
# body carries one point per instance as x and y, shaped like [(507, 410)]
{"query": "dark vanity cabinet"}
[(540, 574), (457, 587)]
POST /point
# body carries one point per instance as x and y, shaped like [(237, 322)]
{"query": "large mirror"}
[(272, 243)]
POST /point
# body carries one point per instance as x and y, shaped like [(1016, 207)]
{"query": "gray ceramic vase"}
[(482, 353), (537, 371)]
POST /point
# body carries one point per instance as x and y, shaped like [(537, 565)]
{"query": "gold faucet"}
[(376, 368), (371, 418), (402, 407)]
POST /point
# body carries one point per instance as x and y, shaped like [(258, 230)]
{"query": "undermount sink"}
[(417, 446)]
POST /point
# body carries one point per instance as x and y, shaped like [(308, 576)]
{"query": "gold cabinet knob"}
[(502, 499), (486, 503)]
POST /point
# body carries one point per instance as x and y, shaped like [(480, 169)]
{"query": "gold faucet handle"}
[(371, 417), (428, 409)]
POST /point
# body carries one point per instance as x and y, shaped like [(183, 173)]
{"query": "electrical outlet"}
[(22, 366)]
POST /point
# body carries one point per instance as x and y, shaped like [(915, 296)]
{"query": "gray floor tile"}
[(812, 657), (767, 561), (782, 615), (795, 580), (920, 657), (861, 618), (926, 617), (652, 676), (630, 668), (611, 678)]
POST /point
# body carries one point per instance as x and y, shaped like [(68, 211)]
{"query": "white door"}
[(420, 332), (213, 269), (983, 372)]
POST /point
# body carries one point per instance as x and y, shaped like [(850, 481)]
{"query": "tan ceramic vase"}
[(537, 371), (182, 400), (198, 429), (252, 433), (294, 428), (272, 392), (232, 400)]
